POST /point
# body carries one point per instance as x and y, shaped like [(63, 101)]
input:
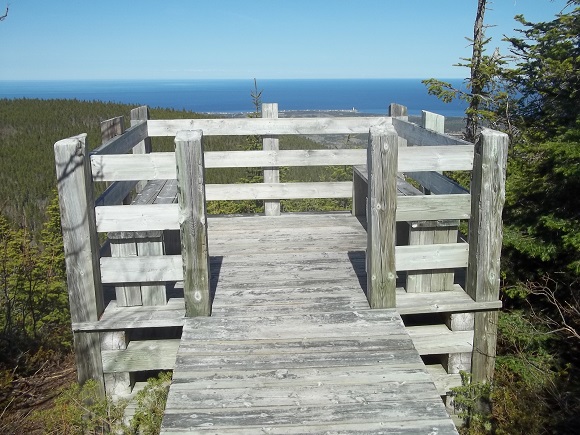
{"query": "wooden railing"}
[(395, 146)]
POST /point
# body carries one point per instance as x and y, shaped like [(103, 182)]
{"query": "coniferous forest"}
[(533, 97)]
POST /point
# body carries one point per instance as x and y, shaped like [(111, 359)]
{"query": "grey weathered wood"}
[(124, 143), (381, 216), (417, 135), (141, 356), (151, 246), (81, 246), (266, 126), (116, 193), (359, 191), (271, 175), (193, 222), (399, 111), (111, 128), (161, 165), (138, 115), (125, 246), (437, 184), (433, 121), (485, 239)]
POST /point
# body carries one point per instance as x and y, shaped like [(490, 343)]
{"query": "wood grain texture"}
[(271, 174), (266, 127), (161, 165), (75, 191), (193, 222), (485, 239), (418, 136), (124, 143), (381, 216)]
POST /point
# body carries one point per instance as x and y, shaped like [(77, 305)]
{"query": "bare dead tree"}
[(3, 17), (564, 316), (476, 81)]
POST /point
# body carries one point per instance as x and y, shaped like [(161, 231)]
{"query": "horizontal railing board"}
[(266, 126), (141, 269), (162, 165), (169, 267), (342, 189), (137, 217), (440, 256), (116, 193), (433, 207), (416, 135), (125, 142), (436, 183), (165, 216)]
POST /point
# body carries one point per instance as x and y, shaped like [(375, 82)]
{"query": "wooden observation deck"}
[(339, 322)]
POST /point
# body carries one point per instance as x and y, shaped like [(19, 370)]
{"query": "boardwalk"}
[(292, 346)]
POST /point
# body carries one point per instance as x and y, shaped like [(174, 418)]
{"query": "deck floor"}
[(292, 346)]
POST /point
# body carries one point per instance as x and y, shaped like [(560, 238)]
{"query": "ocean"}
[(369, 96)]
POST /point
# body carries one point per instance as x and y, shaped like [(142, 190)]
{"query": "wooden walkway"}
[(292, 346)]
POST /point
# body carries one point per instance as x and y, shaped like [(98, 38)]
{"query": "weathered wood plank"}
[(143, 355), (271, 191), (381, 216), (266, 127), (271, 174), (438, 339), (193, 222), (420, 257), (124, 143), (419, 136), (162, 165), (437, 184), (75, 191), (485, 239), (433, 207)]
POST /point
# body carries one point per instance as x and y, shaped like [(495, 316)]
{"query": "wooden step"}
[(117, 318), (141, 356), (441, 302), (443, 381), (438, 339)]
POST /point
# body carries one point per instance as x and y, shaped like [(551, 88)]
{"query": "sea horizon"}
[(231, 96)]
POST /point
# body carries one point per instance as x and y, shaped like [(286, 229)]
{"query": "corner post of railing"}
[(81, 248), (485, 240), (193, 222), (271, 175), (382, 154), (139, 114)]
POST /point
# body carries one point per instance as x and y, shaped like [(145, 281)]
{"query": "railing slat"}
[(156, 166), (124, 143), (266, 126)]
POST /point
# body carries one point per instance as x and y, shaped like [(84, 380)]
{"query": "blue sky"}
[(146, 39)]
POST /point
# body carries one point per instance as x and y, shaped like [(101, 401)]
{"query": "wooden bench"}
[(412, 233)]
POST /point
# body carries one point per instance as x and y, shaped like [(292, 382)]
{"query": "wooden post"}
[(485, 239), (193, 222), (382, 156), (271, 175), (81, 247), (429, 232), (433, 121), (401, 112), (143, 147)]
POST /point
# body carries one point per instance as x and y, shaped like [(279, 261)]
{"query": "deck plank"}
[(292, 346)]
